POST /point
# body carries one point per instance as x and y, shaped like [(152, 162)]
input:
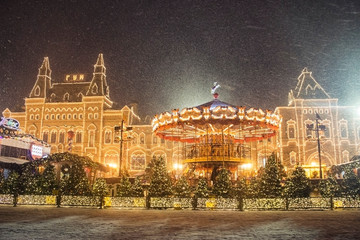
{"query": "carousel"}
[(216, 134)]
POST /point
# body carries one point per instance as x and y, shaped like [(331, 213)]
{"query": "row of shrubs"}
[(270, 182)]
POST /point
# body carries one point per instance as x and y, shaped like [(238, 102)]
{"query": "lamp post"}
[(317, 128), (121, 129)]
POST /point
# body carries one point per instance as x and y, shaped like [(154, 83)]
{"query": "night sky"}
[(167, 54)]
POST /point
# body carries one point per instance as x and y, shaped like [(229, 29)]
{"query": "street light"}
[(121, 129), (318, 127)]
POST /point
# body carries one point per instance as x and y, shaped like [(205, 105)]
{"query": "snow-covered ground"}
[(34, 222)]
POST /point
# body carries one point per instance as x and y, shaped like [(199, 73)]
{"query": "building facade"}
[(77, 116), (338, 128)]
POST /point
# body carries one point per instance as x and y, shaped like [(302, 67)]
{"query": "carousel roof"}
[(215, 103), (214, 118)]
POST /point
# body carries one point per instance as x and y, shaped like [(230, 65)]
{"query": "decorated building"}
[(76, 115), (316, 129)]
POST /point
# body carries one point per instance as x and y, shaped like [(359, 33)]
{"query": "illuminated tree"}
[(12, 184), (2, 182), (137, 189), (297, 185), (351, 183), (100, 188), (329, 187), (202, 189), (76, 182), (160, 182), (47, 180), (240, 189), (222, 185), (252, 188), (270, 179), (182, 188), (124, 188)]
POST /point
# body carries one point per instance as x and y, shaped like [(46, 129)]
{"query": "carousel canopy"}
[(216, 118)]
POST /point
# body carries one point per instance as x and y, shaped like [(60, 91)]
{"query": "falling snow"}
[(167, 54)]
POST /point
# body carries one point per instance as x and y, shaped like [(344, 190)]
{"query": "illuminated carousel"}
[(216, 134)]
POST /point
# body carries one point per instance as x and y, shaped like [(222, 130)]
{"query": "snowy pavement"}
[(34, 222)]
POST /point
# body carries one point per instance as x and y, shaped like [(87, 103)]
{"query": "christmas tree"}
[(297, 185), (182, 188), (240, 189), (252, 188), (137, 189), (100, 188), (2, 183), (47, 180), (222, 185), (12, 184), (124, 188), (270, 179), (160, 182), (30, 179), (329, 187), (75, 183), (202, 189), (351, 183)]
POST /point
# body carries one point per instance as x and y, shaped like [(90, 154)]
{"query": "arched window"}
[(343, 129), (155, 139), (91, 138), (134, 138), (108, 137), (78, 137), (94, 89), (66, 97), (293, 158), (45, 136), (37, 91), (62, 137), (291, 130), (53, 137), (142, 138), (137, 161)]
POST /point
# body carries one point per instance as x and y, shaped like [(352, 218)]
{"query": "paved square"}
[(43, 222)]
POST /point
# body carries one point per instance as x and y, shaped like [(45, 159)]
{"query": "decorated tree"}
[(202, 189), (100, 188), (351, 183), (124, 188), (30, 179), (76, 181), (252, 188), (160, 182), (182, 188), (270, 179), (222, 185), (329, 187), (12, 184), (2, 182), (47, 180), (240, 189), (137, 189), (297, 185)]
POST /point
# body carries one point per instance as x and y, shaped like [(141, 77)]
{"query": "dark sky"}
[(167, 54)]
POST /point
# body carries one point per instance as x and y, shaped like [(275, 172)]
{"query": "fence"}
[(185, 203)]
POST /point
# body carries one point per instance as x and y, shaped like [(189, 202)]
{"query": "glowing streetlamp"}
[(318, 127), (120, 129)]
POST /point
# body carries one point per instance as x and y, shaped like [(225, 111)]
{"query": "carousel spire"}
[(213, 90)]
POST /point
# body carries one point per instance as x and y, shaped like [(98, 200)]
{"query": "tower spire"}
[(98, 85), (43, 81)]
